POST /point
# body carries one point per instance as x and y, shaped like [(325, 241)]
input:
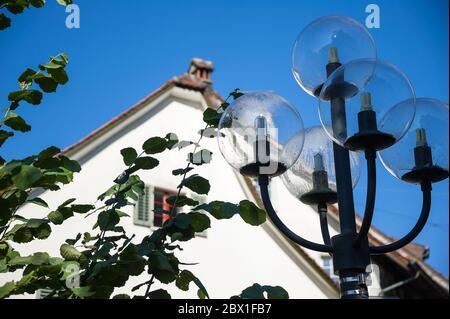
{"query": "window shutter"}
[(143, 209), (151, 205)]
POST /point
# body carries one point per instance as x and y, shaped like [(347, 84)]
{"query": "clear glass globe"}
[(429, 129), (359, 94), (328, 39), (260, 133), (317, 154)]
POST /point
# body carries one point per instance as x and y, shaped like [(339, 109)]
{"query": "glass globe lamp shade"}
[(260, 133), (357, 96), (305, 179), (328, 40), (422, 154)]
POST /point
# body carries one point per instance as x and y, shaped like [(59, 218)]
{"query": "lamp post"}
[(365, 105)]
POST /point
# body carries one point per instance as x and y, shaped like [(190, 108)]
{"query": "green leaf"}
[(251, 214), (16, 122), (197, 184), (4, 248), (182, 171), (20, 234), (49, 152), (70, 253), (27, 176), (181, 201), (36, 222), (6, 289), (199, 222), (146, 162), (59, 75), (67, 202), (159, 294), (200, 157), (25, 76), (31, 96), (211, 117), (172, 140), (182, 221), (154, 145), (83, 292), (56, 217), (64, 56), (16, 7), (219, 209), (121, 214), (5, 22), (81, 209), (86, 237), (184, 279), (164, 269), (37, 3), (129, 154), (121, 296), (35, 259), (108, 219), (64, 2), (75, 240), (201, 294), (67, 268), (183, 144), (276, 292), (52, 65), (4, 135), (42, 232), (38, 201), (255, 291), (69, 164), (201, 287), (45, 82)]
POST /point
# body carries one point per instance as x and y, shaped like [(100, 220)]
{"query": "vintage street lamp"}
[(365, 105)]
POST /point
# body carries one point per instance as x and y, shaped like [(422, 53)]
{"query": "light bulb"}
[(328, 40), (260, 133), (422, 154)]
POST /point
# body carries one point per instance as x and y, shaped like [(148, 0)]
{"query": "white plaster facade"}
[(233, 255)]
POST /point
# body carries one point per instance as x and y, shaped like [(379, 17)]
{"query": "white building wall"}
[(233, 256)]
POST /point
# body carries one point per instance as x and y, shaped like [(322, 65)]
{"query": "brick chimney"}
[(201, 69)]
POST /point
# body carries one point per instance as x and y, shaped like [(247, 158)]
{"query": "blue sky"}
[(126, 49)]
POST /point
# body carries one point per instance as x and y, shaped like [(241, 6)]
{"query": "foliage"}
[(103, 258), (18, 6)]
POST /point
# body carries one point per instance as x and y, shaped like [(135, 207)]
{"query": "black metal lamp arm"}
[(370, 197), (263, 181), (323, 212), (426, 206)]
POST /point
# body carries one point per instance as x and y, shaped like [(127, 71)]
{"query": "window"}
[(327, 265), (152, 208), (161, 209)]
